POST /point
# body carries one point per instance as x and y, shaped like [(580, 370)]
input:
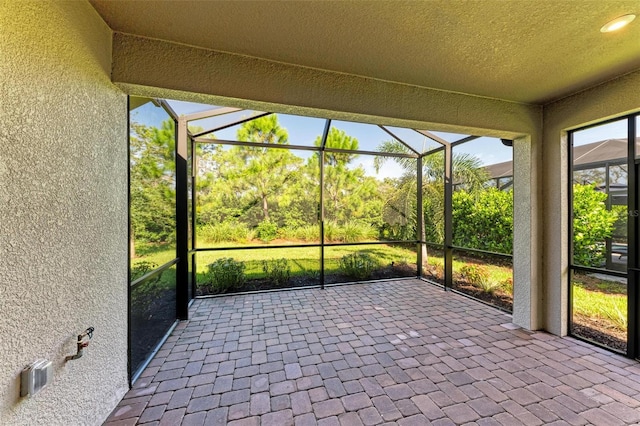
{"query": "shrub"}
[(435, 269), (507, 285), (145, 294), (330, 230), (225, 274), (267, 230), (358, 265), (483, 220), (353, 232), (397, 232), (224, 232), (350, 232), (474, 273), (592, 224), (307, 233), (141, 268), (277, 271), (478, 276)]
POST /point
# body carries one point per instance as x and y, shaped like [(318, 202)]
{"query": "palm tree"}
[(467, 172)]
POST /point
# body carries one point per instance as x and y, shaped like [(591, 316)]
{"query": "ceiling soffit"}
[(522, 51)]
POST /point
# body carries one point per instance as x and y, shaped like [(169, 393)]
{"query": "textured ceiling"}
[(531, 51)]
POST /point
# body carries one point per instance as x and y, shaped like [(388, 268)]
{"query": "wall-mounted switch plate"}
[(35, 377)]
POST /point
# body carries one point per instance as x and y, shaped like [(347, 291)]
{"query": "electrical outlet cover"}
[(35, 377)]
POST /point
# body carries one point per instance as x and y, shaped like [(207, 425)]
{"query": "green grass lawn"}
[(499, 274), (302, 260), (600, 300), (594, 304)]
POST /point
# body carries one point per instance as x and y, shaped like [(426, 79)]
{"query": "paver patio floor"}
[(396, 352)]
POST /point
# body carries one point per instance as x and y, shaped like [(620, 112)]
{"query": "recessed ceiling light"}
[(617, 23)]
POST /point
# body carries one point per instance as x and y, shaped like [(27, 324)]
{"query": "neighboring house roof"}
[(595, 153), (500, 170), (607, 151)]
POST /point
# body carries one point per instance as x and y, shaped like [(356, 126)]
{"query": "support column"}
[(633, 238), (419, 217), (448, 216), (528, 297), (182, 226)]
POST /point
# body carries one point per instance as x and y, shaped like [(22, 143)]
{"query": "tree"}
[(349, 193), (262, 173), (265, 130), (467, 171), (338, 139), (246, 181), (152, 183)]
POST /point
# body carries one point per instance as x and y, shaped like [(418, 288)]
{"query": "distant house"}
[(592, 163)]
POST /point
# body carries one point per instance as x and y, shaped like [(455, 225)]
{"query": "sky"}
[(304, 131), (614, 130)]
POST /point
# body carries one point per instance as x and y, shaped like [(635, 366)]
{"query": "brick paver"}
[(400, 352)]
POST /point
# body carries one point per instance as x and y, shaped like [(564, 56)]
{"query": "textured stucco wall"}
[(63, 209), (528, 292), (233, 78), (615, 98)]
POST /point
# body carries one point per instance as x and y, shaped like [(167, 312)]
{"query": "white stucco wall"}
[(63, 210), (614, 98)]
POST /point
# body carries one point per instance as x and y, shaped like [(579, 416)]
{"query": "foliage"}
[(350, 232), (262, 173), (434, 268), (507, 285), (247, 182), (479, 276), (468, 173), (267, 230), (400, 202), (307, 233), (592, 224), (348, 192), (475, 273), (595, 305), (141, 268), (620, 227), (224, 274), (148, 293), (483, 220), (338, 139), (263, 130), (215, 233), (152, 182), (277, 271), (359, 265)]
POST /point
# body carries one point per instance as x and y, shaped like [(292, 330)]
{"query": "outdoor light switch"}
[(35, 377)]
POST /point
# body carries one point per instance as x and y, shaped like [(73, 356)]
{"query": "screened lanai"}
[(274, 201)]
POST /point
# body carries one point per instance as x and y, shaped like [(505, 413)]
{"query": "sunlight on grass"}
[(302, 260), (159, 256), (500, 277), (597, 305)]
